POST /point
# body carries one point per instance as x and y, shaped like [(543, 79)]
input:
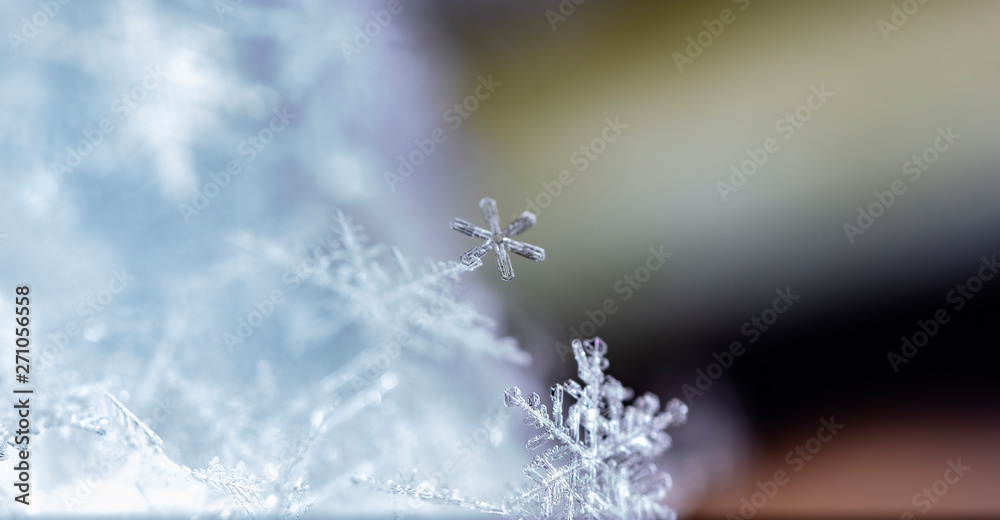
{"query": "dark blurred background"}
[(893, 88)]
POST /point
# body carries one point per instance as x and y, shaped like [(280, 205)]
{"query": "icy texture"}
[(315, 367), (599, 463), (597, 458), (398, 334), (245, 490), (498, 240), (377, 288), (134, 427), (397, 368)]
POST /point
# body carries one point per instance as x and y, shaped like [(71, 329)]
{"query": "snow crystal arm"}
[(552, 485), (92, 423), (468, 229), (353, 242), (526, 250), (536, 415), (404, 265), (557, 404), (491, 214), (503, 263), (472, 257), (429, 493), (245, 491), (132, 423), (522, 224)]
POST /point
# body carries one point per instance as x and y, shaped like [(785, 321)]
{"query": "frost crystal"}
[(376, 290), (498, 240), (244, 490), (347, 377), (137, 430), (599, 464)]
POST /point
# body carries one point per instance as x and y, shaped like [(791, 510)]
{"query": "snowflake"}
[(601, 463), (498, 240), (378, 291), (600, 466)]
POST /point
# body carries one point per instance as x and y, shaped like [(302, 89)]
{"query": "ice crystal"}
[(598, 457), (498, 240), (378, 291), (425, 491), (600, 465), (136, 430), (397, 327), (244, 489), (369, 345), (395, 333)]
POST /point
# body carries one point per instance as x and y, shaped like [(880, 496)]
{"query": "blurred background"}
[(897, 73), (784, 213)]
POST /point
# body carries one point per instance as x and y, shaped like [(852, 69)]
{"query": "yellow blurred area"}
[(689, 125)]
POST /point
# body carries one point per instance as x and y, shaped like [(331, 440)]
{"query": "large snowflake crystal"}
[(597, 462), (598, 458)]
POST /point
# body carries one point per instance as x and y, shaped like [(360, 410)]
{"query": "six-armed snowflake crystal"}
[(601, 464), (599, 461), (498, 240)]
